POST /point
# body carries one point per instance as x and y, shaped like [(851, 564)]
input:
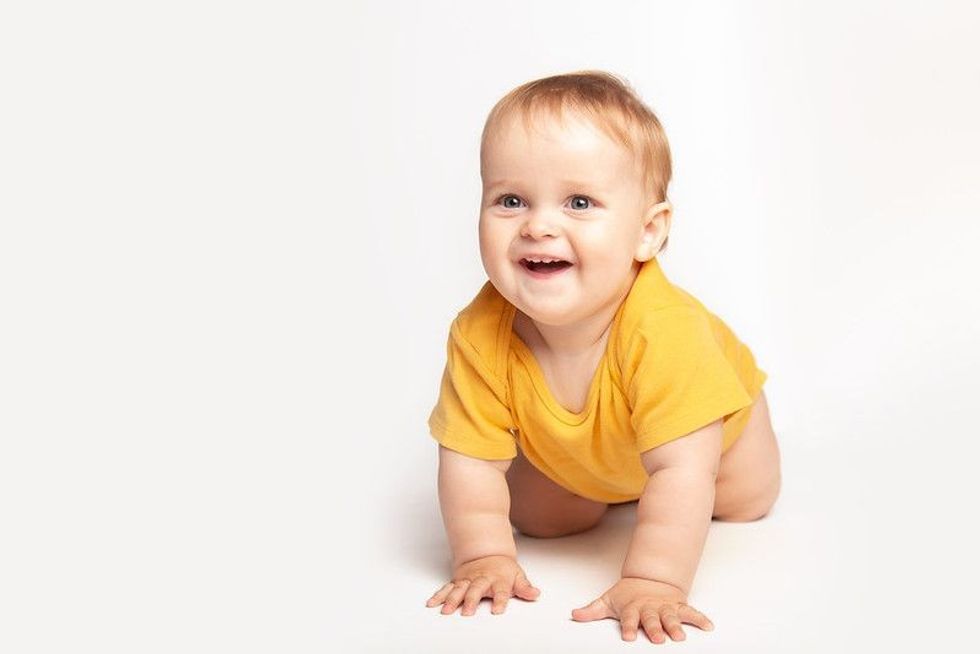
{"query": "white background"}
[(232, 238)]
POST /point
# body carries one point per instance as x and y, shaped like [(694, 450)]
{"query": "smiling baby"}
[(580, 377)]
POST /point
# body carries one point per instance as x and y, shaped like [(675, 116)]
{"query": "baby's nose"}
[(540, 224)]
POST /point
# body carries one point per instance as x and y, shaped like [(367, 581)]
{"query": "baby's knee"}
[(750, 507), (555, 526)]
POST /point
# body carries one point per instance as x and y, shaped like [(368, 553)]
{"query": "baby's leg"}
[(748, 476), (539, 507)]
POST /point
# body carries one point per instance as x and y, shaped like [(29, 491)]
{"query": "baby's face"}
[(567, 192)]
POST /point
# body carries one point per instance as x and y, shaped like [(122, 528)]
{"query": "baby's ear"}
[(656, 226)]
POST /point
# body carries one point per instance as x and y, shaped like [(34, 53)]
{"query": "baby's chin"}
[(554, 306), (551, 314)]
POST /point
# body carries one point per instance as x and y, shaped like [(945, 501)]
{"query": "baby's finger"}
[(524, 589), (671, 623), (440, 595), (456, 596), (500, 597), (651, 624), (629, 621), (474, 594), (691, 615)]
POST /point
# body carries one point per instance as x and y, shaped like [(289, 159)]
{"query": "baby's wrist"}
[(655, 579), (469, 557), (457, 564)]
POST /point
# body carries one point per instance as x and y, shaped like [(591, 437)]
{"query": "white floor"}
[(863, 552), (286, 544)]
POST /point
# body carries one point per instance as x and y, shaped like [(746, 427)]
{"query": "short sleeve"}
[(677, 377), (471, 415)]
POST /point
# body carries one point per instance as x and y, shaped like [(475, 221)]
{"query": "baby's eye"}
[(509, 201), (581, 202)]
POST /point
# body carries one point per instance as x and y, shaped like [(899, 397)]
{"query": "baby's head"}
[(575, 168)]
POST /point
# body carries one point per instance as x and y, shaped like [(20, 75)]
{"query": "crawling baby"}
[(579, 376)]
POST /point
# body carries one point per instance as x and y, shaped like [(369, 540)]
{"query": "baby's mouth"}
[(545, 266)]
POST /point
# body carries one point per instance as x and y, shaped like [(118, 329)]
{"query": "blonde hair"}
[(606, 100)]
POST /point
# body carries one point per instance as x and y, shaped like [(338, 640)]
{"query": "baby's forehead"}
[(570, 141), (550, 125)]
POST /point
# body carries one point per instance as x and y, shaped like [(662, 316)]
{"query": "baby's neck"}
[(568, 342)]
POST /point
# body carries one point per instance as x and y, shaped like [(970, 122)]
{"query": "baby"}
[(580, 377)]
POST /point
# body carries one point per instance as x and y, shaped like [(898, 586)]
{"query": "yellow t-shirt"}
[(670, 367)]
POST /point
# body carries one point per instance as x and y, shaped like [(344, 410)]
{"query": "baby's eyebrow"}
[(499, 183), (574, 183)]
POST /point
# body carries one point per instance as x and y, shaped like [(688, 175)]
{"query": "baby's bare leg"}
[(539, 507), (748, 477)]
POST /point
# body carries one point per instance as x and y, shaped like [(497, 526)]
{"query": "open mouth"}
[(545, 266)]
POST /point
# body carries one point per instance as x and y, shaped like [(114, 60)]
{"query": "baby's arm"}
[(674, 512), (672, 521), (475, 506), (475, 502)]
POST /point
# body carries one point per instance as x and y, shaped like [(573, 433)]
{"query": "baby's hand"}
[(659, 606), (495, 576)]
